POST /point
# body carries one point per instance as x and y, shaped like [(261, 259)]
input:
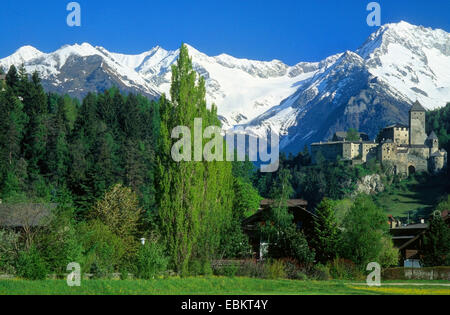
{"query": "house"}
[(409, 240), (303, 219)]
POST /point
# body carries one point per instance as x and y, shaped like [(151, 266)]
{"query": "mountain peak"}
[(191, 49), (27, 53)]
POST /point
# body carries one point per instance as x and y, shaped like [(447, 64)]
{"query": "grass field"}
[(416, 195), (215, 286)]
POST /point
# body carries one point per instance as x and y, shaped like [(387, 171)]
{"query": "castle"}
[(404, 149)]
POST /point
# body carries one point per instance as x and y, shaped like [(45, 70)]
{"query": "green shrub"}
[(30, 265), (228, 269), (235, 243), (301, 276), (320, 272), (195, 268), (389, 255), (252, 269), (344, 269), (275, 270), (291, 268), (151, 260), (103, 250), (9, 250)]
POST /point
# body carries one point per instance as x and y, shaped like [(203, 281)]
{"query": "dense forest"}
[(439, 121), (106, 165)]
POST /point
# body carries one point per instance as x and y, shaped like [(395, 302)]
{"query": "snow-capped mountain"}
[(79, 69), (242, 89), (367, 89)]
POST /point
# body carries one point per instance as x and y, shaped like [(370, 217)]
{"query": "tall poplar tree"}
[(194, 198)]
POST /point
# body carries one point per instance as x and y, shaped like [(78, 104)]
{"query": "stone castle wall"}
[(406, 149), (417, 133)]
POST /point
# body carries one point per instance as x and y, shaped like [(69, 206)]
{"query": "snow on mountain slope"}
[(413, 59), (397, 65), (241, 88), (22, 55), (53, 67)]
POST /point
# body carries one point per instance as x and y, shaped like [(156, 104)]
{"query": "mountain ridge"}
[(400, 62)]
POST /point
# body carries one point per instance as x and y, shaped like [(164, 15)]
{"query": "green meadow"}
[(216, 286)]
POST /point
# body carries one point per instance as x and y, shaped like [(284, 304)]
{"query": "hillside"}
[(416, 196)]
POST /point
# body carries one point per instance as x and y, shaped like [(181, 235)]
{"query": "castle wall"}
[(434, 146), (387, 152), (369, 151), (346, 150), (417, 131), (399, 135), (438, 163), (422, 152), (406, 150), (351, 150)]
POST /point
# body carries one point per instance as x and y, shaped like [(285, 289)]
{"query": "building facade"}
[(406, 149)]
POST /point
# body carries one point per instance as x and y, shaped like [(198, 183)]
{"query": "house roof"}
[(417, 107), (24, 214), (421, 226), (292, 203)]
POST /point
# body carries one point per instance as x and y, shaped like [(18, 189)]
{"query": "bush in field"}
[(119, 210), (30, 265), (103, 250), (252, 269), (227, 270), (9, 250), (151, 260), (292, 244), (389, 255), (275, 270), (344, 269), (320, 272)]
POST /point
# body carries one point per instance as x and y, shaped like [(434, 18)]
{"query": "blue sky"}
[(289, 30)]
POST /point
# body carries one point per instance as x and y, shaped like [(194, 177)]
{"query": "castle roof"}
[(417, 107), (397, 125), (432, 136)]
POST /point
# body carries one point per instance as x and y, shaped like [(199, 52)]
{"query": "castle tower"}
[(417, 134)]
